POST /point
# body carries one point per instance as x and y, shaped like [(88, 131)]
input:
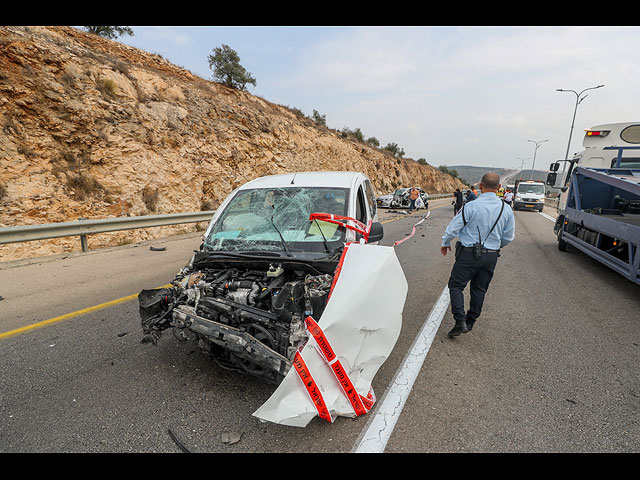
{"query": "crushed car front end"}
[(262, 268), (246, 313)]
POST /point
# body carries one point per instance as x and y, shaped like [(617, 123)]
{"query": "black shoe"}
[(470, 324), (458, 329)]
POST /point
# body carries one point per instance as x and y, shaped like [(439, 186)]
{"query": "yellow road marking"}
[(67, 316), (111, 303)]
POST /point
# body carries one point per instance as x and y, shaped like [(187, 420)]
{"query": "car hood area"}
[(361, 323)]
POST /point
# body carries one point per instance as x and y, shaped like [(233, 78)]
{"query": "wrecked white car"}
[(400, 198), (273, 255), (384, 201)]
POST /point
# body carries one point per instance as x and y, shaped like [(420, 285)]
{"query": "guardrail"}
[(84, 227)]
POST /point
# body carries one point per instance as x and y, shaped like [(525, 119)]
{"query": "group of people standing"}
[(472, 194)]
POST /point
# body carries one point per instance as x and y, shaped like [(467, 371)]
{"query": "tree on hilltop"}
[(110, 32), (319, 119), (227, 70), (393, 148)]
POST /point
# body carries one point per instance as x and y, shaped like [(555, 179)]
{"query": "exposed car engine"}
[(246, 317)]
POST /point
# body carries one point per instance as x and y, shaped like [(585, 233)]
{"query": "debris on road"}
[(230, 438), (177, 441)]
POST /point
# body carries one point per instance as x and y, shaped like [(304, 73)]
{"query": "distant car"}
[(401, 198), (384, 201)]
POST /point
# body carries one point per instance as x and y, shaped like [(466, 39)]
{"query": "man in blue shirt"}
[(483, 227), (470, 195)]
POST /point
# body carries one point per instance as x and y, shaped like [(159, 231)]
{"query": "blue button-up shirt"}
[(480, 215)]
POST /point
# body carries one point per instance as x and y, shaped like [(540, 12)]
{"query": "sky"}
[(452, 95)]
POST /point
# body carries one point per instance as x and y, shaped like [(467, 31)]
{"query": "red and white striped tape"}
[(361, 404), (414, 229)]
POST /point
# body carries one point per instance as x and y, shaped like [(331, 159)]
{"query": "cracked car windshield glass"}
[(255, 220)]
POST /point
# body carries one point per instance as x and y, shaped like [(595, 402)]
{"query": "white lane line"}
[(379, 428), (549, 217)]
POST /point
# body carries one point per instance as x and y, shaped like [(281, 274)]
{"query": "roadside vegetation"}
[(227, 70)]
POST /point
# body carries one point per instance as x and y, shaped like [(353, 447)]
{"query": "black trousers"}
[(477, 271)]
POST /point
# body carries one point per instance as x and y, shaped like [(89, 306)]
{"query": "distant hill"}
[(474, 174), (538, 176)]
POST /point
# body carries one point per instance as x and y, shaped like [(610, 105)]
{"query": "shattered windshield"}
[(261, 219)]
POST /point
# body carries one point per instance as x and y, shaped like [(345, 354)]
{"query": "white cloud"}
[(500, 120), (162, 34)]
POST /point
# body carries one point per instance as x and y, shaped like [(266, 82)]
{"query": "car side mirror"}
[(554, 166), (551, 179), (376, 233)]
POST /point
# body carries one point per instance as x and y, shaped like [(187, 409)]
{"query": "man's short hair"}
[(491, 180)]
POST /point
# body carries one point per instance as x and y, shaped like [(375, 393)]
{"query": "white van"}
[(529, 196)]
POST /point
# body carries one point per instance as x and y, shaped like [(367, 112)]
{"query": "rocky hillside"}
[(93, 128)]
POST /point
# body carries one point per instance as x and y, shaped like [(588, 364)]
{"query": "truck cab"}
[(611, 145)]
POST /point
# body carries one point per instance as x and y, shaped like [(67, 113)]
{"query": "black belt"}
[(484, 250)]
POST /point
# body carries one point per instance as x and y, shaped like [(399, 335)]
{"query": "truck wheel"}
[(562, 245)]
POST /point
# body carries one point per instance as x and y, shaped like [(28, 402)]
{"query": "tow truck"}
[(599, 205)]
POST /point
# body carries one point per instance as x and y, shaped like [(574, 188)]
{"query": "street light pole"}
[(534, 154), (578, 101), (522, 162)]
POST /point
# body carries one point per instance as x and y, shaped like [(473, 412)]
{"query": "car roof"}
[(305, 179)]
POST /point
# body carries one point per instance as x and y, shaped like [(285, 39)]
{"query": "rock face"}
[(93, 128)]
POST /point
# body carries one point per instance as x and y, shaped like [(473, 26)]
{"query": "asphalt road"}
[(550, 366)]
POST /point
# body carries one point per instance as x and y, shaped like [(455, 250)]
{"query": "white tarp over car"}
[(362, 322)]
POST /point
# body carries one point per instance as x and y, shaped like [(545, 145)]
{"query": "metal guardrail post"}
[(83, 239)]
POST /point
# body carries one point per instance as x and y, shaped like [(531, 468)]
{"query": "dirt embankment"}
[(93, 128)]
